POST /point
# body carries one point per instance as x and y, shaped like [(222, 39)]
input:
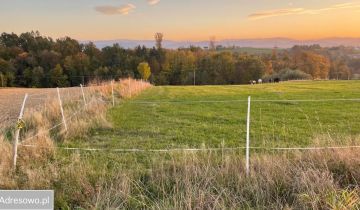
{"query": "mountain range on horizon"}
[(254, 43)]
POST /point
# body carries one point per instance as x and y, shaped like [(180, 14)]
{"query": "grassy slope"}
[(188, 123)]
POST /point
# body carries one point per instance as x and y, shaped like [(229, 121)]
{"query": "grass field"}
[(198, 117), (215, 116)]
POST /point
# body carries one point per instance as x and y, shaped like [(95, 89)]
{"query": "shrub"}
[(288, 74)]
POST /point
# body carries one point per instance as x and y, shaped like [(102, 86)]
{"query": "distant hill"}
[(253, 43)]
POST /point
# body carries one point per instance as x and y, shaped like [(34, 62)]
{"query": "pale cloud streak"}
[(113, 10), (153, 2), (300, 11)]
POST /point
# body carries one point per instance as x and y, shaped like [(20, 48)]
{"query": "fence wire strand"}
[(192, 149), (244, 100)]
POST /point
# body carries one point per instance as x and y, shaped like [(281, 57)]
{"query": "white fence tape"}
[(244, 100), (192, 149)]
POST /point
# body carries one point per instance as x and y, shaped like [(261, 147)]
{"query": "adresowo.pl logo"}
[(12, 199), (22, 201)]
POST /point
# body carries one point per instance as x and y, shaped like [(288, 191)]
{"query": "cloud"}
[(153, 2), (274, 13), (113, 10), (300, 11)]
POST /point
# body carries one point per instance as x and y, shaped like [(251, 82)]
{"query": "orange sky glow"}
[(183, 20)]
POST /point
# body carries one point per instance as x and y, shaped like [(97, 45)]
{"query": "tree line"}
[(33, 60)]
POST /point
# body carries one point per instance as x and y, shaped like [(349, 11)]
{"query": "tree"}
[(339, 70), (34, 76), (7, 72), (248, 68), (223, 67), (9, 40), (57, 78), (158, 39), (94, 55), (269, 67), (144, 70), (49, 59), (103, 73), (318, 66), (67, 47), (77, 67)]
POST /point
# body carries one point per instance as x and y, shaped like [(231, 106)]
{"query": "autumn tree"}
[(340, 70), (268, 67), (318, 66), (144, 70), (30, 59)]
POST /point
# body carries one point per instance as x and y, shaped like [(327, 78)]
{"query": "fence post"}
[(83, 94), (112, 92), (19, 125), (61, 109), (248, 138)]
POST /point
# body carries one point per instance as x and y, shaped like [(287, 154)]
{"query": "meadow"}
[(169, 117), (147, 176)]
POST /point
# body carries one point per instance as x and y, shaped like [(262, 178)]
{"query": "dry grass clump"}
[(5, 163), (308, 180), (338, 140), (130, 87), (93, 115), (124, 88), (38, 148)]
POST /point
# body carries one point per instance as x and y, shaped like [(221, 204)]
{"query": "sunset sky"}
[(182, 19)]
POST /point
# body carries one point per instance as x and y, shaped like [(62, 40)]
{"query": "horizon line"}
[(226, 39)]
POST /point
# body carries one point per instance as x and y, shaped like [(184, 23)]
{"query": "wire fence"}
[(272, 122), (255, 124)]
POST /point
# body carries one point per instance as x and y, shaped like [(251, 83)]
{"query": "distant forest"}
[(33, 60)]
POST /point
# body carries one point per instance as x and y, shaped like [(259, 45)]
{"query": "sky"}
[(182, 19)]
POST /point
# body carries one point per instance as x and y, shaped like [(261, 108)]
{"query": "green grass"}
[(211, 116)]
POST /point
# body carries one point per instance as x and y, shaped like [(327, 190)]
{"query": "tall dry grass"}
[(309, 180), (325, 179), (44, 130)]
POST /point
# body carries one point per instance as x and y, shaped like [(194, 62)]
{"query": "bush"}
[(288, 74)]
